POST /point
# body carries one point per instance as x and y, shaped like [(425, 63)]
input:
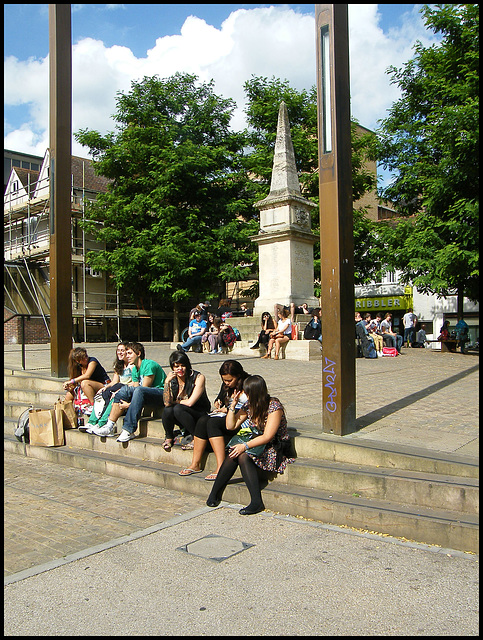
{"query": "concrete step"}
[(294, 350), (446, 528), (406, 487), (26, 380), (22, 398), (377, 454), (323, 447)]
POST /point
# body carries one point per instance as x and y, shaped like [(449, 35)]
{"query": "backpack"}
[(228, 336), (311, 333), (81, 403), (22, 430)]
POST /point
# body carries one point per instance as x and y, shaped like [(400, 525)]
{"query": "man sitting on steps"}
[(148, 387)]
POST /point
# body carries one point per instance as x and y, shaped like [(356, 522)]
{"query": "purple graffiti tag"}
[(330, 377)]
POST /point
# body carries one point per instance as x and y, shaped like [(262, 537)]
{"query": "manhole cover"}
[(215, 547)]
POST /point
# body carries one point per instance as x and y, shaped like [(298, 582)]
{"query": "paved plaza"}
[(88, 554)]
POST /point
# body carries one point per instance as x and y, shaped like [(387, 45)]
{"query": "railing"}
[(23, 316)]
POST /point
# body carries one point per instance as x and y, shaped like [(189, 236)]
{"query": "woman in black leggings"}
[(212, 427), (185, 399), (264, 445)]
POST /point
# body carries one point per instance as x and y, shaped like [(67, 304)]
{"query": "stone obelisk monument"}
[(285, 240)]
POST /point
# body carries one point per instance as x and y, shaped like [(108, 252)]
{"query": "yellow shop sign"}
[(382, 303)]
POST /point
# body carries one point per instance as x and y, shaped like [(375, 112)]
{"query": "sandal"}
[(188, 472), (167, 444), (187, 447), (211, 476)]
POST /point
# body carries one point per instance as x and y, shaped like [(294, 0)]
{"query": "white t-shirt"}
[(288, 329)]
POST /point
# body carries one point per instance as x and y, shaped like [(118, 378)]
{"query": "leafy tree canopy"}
[(430, 141), (177, 217)]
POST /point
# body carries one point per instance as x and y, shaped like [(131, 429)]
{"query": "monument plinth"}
[(285, 240)]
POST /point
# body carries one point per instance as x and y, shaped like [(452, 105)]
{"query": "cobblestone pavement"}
[(51, 511)]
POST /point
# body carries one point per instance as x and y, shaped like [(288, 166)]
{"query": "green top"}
[(149, 368)]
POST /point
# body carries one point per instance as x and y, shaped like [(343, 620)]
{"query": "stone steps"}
[(365, 485), (443, 527)]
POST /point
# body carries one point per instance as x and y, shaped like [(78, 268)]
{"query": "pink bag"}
[(389, 351)]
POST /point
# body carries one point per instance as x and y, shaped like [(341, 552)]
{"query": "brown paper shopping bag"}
[(46, 427), (69, 416)]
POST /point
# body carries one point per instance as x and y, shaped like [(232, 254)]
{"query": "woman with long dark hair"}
[(267, 328), (85, 371), (262, 442), (212, 427), (185, 399)]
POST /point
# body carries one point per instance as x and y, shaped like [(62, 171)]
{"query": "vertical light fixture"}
[(60, 110), (336, 222)]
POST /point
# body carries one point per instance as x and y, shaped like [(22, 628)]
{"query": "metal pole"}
[(60, 108), (336, 223)]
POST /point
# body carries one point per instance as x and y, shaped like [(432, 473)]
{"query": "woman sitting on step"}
[(84, 371), (261, 442), (212, 427), (185, 399), (281, 335), (268, 327)]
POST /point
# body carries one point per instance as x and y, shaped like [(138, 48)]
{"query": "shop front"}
[(396, 305)]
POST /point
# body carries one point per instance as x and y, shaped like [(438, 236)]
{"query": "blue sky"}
[(116, 44)]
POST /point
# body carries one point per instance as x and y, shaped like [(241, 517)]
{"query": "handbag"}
[(295, 332), (244, 434), (389, 351), (69, 416), (46, 427)]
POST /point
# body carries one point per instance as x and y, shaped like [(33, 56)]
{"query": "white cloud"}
[(266, 42)]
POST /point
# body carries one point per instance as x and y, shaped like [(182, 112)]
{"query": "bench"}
[(447, 346)]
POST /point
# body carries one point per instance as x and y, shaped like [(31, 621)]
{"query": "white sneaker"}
[(104, 431), (125, 436)]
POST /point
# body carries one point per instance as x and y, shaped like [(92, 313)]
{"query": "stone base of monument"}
[(249, 328), (294, 350)]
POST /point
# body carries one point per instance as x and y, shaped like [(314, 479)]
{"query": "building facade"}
[(99, 312)]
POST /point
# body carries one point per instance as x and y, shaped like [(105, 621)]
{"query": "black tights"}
[(186, 417), (249, 471)]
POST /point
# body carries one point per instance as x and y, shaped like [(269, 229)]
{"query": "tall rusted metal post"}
[(60, 52), (336, 222)]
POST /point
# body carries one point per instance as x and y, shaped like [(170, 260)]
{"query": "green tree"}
[(430, 141), (264, 98), (177, 217)]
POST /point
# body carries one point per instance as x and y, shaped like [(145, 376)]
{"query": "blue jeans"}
[(409, 334), (394, 341), (191, 342), (139, 397)]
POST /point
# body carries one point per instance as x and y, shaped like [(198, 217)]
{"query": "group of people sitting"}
[(272, 336), (209, 328), (247, 428), (458, 337), (375, 334)]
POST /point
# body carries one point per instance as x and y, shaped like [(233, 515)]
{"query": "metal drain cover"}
[(214, 547)]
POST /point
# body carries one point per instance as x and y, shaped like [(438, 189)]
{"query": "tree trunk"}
[(175, 321), (459, 303)]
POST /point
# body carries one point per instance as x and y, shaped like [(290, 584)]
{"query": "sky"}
[(114, 44)]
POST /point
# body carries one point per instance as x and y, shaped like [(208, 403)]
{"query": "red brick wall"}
[(35, 330)]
